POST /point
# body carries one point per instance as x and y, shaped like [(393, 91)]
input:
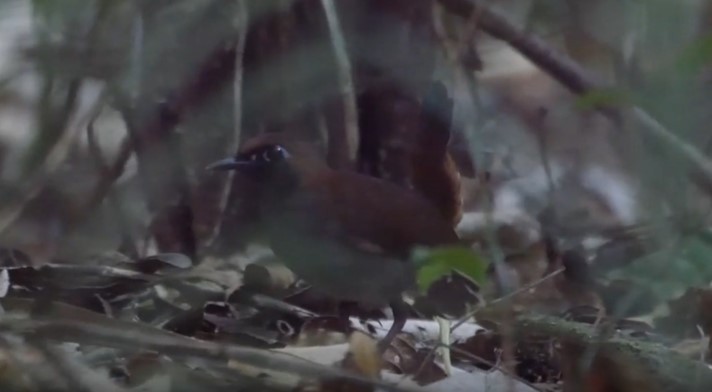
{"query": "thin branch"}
[(70, 130), (242, 19), (52, 161), (135, 74), (538, 51), (520, 290), (346, 84), (109, 173), (697, 157)]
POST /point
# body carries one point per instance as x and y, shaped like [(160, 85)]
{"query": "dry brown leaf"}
[(363, 359), (268, 276), (364, 350)]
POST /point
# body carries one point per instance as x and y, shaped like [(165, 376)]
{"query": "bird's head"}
[(274, 157)]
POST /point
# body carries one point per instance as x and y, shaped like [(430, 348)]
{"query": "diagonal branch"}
[(573, 76), (561, 67)]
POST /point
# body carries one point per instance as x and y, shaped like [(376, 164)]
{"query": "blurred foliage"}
[(695, 57), (164, 70), (434, 263), (669, 272)]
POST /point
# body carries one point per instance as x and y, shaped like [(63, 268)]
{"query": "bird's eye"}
[(274, 154)]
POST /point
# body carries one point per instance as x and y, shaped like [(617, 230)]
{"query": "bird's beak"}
[(229, 164)]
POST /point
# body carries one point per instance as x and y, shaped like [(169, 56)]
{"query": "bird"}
[(347, 234)]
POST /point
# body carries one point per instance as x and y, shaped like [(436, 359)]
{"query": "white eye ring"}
[(282, 151), (277, 152)]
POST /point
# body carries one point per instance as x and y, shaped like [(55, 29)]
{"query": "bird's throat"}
[(276, 186)]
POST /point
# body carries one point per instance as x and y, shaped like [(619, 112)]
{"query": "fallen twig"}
[(67, 323)]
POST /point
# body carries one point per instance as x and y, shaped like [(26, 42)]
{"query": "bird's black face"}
[(267, 165), (259, 159)]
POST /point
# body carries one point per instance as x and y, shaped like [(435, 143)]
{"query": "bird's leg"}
[(400, 315)]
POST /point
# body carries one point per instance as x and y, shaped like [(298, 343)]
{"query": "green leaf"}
[(602, 97), (695, 57), (434, 263)]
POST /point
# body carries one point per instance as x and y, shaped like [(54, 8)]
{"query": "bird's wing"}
[(377, 216)]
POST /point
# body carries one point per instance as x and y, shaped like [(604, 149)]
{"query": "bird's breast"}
[(334, 265)]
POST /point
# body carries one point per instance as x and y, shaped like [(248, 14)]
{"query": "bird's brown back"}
[(377, 212)]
